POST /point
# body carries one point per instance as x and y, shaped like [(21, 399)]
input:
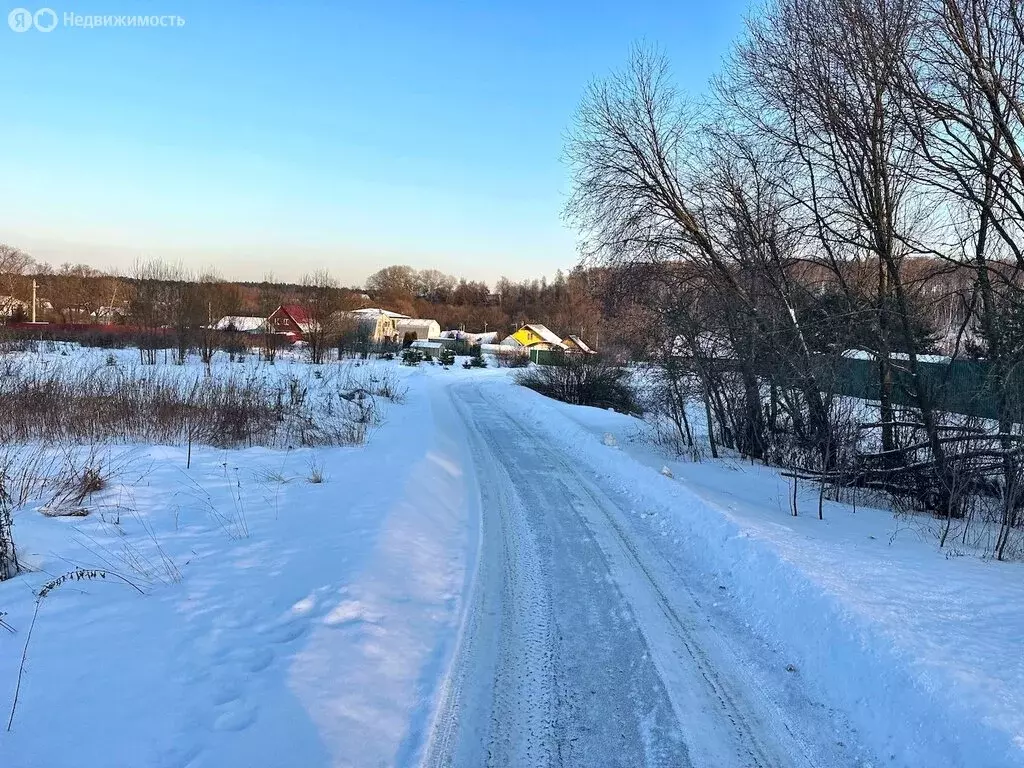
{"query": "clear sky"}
[(287, 137)]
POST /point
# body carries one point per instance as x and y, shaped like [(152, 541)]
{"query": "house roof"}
[(490, 337), (545, 333), (296, 312), (583, 346), (299, 315), (361, 317), (379, 311), (240, 323), (418, 322)]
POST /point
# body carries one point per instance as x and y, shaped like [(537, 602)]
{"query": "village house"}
[(374, 325), (534, 336), (290, 320), (577, 345), (241, 324), (413, 329)]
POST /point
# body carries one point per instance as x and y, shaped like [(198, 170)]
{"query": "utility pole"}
[(33, 300)]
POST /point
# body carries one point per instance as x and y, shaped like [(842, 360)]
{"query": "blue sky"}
[(283, 138)]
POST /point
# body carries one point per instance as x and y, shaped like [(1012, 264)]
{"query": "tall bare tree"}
[(322, 302)]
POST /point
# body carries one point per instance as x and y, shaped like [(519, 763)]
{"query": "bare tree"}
[(14, 262), (151, 308), (395, 281), (322, 302), (646, 193), (9, 565)]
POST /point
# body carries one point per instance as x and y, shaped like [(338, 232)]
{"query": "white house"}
[(376, 325), (421, 329)]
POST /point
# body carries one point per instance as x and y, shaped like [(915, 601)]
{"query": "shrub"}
[(316, 472), (583, 381), (447, 357), (513, 358), (412, 357), (386, 385)]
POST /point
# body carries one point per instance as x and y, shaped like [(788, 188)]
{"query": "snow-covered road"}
[(581, 645)]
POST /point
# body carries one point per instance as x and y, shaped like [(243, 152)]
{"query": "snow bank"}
[(922, 652)]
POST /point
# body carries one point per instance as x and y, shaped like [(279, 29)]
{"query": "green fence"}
[(957, 386), (556, 356), (547, 356)]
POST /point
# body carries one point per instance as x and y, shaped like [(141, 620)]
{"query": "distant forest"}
[(79, 293)]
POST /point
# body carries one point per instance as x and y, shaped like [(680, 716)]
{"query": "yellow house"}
[(534, 336)]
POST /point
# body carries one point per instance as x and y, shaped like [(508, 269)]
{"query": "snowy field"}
[(258, 616), (331, 605)]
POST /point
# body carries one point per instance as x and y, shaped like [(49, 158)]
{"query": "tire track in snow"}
[(505, 641), (724, 722), (552, 668), (758, 740)]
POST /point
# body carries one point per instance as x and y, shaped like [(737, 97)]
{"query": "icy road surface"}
[(581, 646)]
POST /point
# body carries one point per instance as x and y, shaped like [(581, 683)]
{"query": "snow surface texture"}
[(582, 648), (491, 576), (285, 622), (921, 651)]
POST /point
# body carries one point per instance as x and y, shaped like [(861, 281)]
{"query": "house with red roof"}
[(291, 320)]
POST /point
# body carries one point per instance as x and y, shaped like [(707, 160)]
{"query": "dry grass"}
[(512, 358), (112, 404), (316, 474)]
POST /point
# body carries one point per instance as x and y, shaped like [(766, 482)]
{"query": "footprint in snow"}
[(226, 692), (285, 631), (240, 620), (253, 658), (179, 756), (347, 612), (235, 717)]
